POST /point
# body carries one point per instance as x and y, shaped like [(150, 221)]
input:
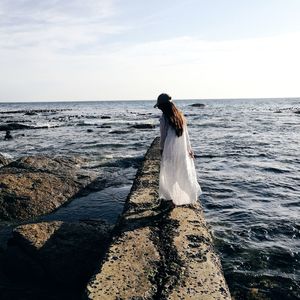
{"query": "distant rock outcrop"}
[(36, 185), (32, 111), (143, 126), (200, 105), (17, 126), (120, 131)]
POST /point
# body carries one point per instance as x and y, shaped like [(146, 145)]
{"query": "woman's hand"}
[(191, 154)]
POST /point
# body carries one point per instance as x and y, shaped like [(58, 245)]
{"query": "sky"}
[(53, 50)]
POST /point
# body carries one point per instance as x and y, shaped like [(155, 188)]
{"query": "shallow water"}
[(247, 160)]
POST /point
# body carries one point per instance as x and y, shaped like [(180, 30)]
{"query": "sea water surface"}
[(247, 160)]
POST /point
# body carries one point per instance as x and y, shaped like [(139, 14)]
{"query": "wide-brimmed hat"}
[(163, 99)]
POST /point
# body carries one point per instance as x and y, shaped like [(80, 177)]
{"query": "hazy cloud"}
[(55, 24)]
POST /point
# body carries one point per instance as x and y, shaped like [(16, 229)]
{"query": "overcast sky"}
[(136, 49)]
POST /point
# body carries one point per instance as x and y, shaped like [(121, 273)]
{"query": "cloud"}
[(54, 25), (28, 12), (191, 67)]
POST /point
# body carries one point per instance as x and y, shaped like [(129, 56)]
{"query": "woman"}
[(177, 178)]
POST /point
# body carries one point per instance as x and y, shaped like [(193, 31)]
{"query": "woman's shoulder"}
[(164, 121)]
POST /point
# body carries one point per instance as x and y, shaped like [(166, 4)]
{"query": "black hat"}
[(162, 99)]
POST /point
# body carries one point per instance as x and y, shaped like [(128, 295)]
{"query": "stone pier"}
[(158, 251)]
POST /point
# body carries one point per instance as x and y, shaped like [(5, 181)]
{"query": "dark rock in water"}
[(143, 126), (278, 111), (18, 121), (297, 111), (22, 111), (4, 161), (56, 253), (200, 105), (83, 124), (16, 126), (120, 131), (104, 126), (30, 113), (105, 117), (89, 117), (90, 130), (8, 135), (36, 185)]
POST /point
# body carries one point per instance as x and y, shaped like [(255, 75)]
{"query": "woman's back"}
[(178, 180)]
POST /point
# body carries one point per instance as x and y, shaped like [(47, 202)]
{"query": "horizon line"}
[(131, 100)]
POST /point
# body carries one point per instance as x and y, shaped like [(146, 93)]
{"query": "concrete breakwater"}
[(158, 251)]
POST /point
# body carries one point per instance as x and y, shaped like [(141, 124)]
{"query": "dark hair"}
[(174, 116)]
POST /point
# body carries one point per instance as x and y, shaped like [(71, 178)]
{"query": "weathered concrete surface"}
[(158, 251), (36, 185)]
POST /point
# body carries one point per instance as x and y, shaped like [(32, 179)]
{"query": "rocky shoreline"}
[(155, 251), (46, 260), (36, 185)]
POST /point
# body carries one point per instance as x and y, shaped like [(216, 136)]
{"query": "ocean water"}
[(248, 165)]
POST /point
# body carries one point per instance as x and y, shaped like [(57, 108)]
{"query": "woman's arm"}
[(188, 143)]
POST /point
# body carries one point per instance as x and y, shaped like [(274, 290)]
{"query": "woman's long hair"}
[(174, 116)]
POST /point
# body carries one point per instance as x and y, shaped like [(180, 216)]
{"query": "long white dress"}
[(177, 178)]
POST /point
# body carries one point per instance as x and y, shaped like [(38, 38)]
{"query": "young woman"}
[(177, 179)]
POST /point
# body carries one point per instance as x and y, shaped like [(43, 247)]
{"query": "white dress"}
[(177, 178)]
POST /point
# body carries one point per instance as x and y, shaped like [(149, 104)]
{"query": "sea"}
[(247, 157)]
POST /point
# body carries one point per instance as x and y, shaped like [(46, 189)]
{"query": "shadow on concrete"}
[(57, 268)]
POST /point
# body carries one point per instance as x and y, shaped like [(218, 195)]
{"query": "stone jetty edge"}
[(158, 251)]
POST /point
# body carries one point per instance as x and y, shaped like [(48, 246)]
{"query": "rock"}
[(83, 124), (22, 111), (4, 160), (120, 131), (14, 126), (90, 130), (104, 126), (18, 121), (36, 185), (8, 136), (143, 126), (54, 254), (297, 111), (30, 113), (200, 105), (105, 117), (17, 126)]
